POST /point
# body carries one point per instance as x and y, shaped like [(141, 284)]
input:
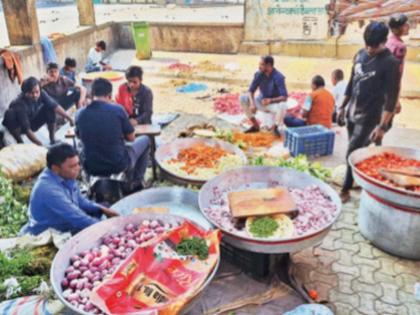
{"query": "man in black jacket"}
[(371, 95)]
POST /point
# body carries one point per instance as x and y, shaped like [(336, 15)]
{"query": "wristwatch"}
[(383, 127)]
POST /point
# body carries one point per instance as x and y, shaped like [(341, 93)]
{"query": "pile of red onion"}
[(228, 104), (180, 67), (87, 269)]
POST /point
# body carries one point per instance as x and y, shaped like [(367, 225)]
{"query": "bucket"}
[(141, 36)]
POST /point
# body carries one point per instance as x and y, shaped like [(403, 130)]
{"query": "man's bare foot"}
[(254, 128), (345, 196)]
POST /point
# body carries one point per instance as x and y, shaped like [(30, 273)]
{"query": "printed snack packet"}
[(155, 279)]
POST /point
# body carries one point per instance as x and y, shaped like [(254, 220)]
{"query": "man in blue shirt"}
[(56, 201), (69, 69), (103, 129), (272, 97)]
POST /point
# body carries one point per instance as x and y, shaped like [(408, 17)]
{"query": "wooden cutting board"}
[(259, 202), (400, 179), (408, 171)]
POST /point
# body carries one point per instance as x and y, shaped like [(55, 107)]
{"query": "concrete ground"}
[(346, 270), (65, 19), (298, 72)]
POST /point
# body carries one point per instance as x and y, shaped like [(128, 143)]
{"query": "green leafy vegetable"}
[(194, 246), (29, 268), (263, 227), (13, 209), (300, 163)]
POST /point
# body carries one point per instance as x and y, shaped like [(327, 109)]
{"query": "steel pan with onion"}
[(91, 237), (389, 216), (171, 150), (258, 177)]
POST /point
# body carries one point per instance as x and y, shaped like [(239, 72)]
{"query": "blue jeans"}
[(139, 157), (291, 121)]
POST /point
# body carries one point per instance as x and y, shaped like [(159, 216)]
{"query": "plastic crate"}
[(257, 266), (313, 140)]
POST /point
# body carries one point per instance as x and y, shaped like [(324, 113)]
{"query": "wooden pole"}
[(21, 22), (86, 12)]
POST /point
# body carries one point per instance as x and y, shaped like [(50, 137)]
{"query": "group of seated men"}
[(319, 108)]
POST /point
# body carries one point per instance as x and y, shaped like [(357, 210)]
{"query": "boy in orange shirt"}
[(318, 108)]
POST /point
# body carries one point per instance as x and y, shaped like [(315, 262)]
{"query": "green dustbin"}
[(141, 37)]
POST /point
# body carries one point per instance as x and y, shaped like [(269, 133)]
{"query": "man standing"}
[(103, 129), (135, 97), (272, 97), (371, 95), (399, 27), (95, 59), (30, 111), (64, 91), (56, 201)]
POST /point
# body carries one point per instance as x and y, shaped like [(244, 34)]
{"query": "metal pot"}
[(394, 229), (394, 195)]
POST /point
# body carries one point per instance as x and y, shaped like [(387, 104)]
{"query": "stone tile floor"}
[(346, 269), (356, 277)]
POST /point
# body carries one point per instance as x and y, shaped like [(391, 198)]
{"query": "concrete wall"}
[(75, 45), (214, 38), (286, 20)]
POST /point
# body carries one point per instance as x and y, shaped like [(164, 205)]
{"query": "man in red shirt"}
[(135, 97)]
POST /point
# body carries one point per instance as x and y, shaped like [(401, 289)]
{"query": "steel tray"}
[(180, 201), (91, 236), (261, 176), (171, 150)]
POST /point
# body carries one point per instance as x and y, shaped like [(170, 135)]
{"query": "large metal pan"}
[(180, 201), (262, 176), (171, 150), (392, 194), (91, 236)]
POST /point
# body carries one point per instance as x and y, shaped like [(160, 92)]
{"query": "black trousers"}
[(68, 100), (359, 137)]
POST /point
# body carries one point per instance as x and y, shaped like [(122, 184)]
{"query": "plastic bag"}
[(155, 279), (310, 309), (31, 305), (21, 161)]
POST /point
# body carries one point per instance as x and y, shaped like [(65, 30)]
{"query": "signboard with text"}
[(286, 19)]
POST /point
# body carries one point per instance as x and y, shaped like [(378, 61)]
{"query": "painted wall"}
[(215, 38), (75, 45), (273, 20)]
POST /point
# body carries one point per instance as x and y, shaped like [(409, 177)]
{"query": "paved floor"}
[(234, 72), (356, 277)]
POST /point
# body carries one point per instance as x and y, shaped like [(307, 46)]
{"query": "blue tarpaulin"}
[(192, 88)]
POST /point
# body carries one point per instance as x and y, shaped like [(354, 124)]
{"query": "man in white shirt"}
[(95, 60), (338, 90)]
